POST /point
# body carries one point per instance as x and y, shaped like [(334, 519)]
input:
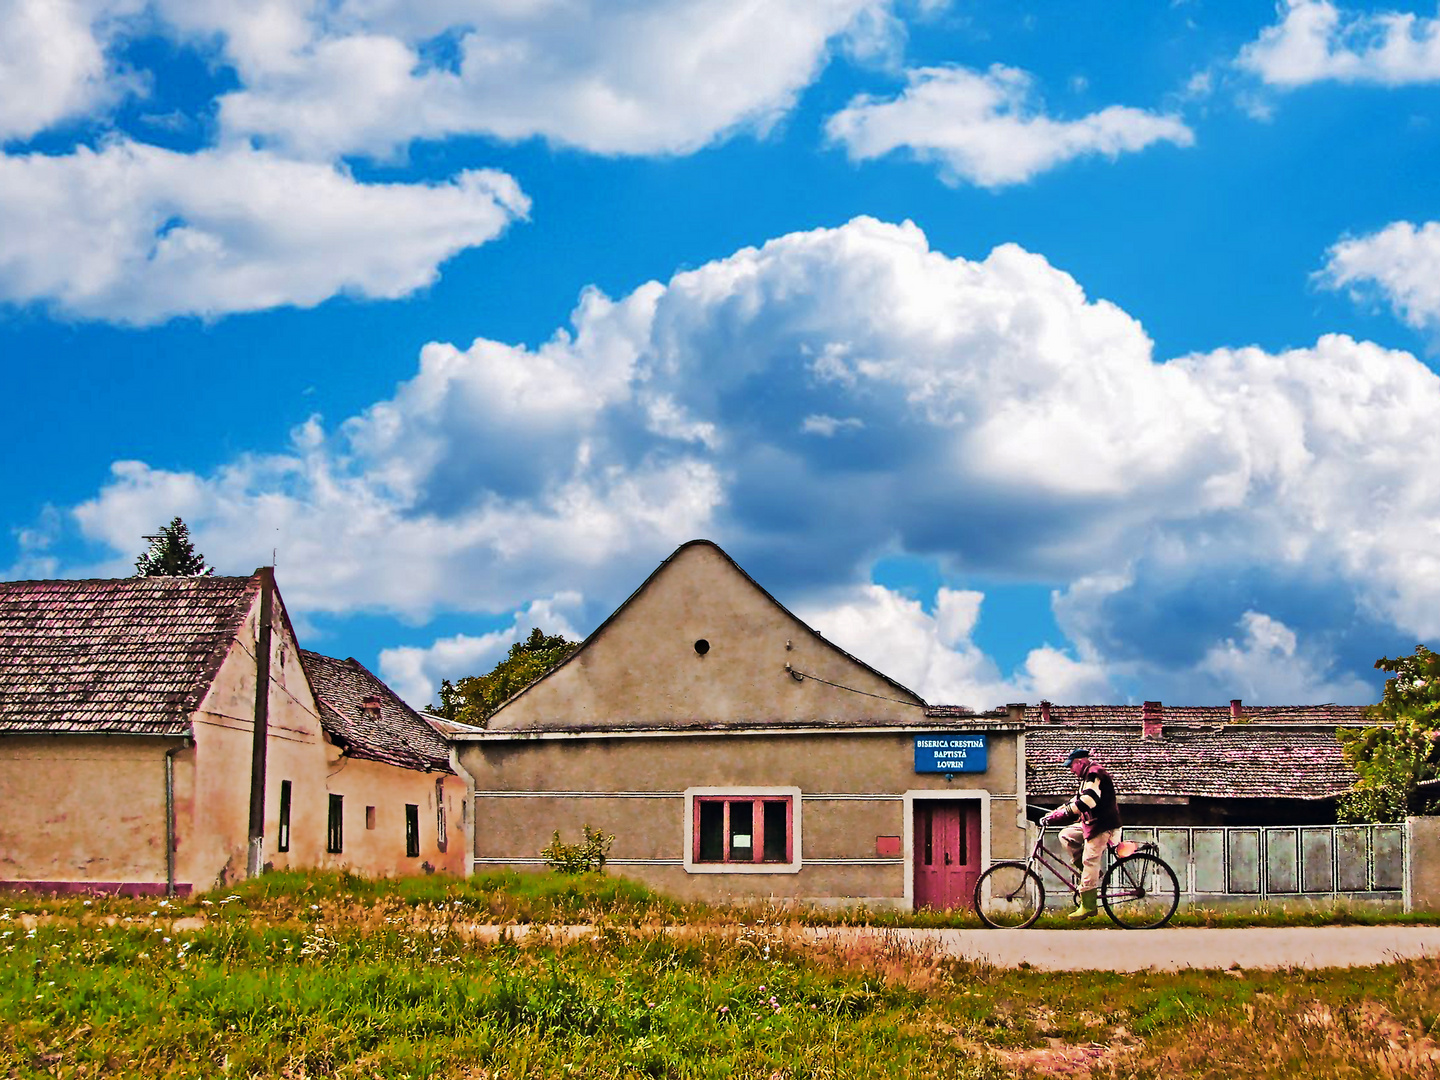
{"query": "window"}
[(743, 829), (369, 817), (440, 814), (412, 829), (284, 830), (335, 838)]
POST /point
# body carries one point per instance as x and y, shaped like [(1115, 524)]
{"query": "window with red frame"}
[(743, 829)]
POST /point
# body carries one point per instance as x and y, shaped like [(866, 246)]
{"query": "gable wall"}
[(213, 778), (642, 668)]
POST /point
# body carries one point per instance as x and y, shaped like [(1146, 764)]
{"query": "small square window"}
[(369, 817)]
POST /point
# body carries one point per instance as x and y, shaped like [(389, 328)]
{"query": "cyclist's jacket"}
[(1095, 803)]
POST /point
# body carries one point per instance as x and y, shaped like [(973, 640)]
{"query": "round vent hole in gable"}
[(702, 646)]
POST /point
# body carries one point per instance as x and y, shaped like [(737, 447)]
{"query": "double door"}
[(947, 853)]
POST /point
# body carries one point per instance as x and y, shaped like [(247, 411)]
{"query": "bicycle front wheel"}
[(1141, 892), (1009, 896)]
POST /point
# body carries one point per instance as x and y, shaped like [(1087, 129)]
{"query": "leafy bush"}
[(586, 857)]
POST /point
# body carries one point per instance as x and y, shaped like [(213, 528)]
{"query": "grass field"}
[(328, 975)]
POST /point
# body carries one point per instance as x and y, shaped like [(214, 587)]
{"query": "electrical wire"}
[(799, 676)]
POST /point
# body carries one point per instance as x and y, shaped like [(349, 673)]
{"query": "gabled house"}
[(1200, 765), (127, 717), (395, 804), (733, 752), (128, 758)]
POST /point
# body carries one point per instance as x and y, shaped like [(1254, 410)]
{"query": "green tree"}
[(172, 554), (472, 700), (1400, 752)]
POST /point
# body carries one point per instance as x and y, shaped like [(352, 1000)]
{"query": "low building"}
[(128, 711), (395, 804), (735, 753), (1200, 765), (127, 718)]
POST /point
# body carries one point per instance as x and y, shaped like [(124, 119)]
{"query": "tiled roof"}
[(399, 737), (1285, 758), (1129, 715), (128, 655)]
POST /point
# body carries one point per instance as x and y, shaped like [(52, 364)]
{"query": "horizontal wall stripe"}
[(939, 728), (580, 794)]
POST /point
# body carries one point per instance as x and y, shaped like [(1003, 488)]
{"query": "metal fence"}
[(1288, 862)]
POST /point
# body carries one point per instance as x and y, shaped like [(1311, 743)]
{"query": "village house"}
[(733, 752), (128, 712), (390, 775), (1199, 765)]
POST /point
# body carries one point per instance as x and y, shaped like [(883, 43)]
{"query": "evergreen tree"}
[(471, 700), (172, 554)]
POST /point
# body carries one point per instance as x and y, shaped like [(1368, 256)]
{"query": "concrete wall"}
[(213, 779), (1422, 871), (379, 849), (643, 669), (853, 788), (64, 793)]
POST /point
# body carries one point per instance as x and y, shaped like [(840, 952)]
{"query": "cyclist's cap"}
[(1076, 755)]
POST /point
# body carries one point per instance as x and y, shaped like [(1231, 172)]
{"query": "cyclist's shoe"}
[(1087, 908)]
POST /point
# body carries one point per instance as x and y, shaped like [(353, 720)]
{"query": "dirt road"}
[(1111, 949)]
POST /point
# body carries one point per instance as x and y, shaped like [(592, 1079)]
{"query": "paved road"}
[(1171, 949)]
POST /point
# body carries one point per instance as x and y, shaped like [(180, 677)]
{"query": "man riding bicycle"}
[(1099, 825)]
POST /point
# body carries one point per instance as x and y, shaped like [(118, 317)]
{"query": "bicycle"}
[(1139, 891)]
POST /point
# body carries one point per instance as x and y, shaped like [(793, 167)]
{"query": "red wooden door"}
[(947, 853)]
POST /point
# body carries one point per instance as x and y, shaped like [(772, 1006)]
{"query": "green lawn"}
[(326, 975)]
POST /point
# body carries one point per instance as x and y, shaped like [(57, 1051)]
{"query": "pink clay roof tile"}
[(119, 656), (399, 736)]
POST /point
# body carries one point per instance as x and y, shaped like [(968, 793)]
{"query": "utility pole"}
[(266, 574)]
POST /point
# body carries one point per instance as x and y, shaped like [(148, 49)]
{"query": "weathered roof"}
[(1286, 752), (114, 656), (997, 720), (400, 736)]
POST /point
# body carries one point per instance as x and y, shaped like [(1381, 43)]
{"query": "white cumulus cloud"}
[(416, 673), (1315, 41), (1009, 426), (934, 654), (657, 76), (137, 234), (987, 128), (1400, 262)]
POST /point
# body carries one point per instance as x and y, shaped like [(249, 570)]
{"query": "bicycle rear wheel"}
[(1009, 896), (1141, 892)]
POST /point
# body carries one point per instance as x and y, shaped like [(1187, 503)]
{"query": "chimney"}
[(1016, 712), (1152, 720), (1236, 711), (1045, 712), (370, 708)]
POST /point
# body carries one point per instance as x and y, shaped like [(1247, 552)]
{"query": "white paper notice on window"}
[(740, 840)]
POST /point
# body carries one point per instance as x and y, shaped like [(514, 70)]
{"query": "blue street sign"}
[(950, 753)]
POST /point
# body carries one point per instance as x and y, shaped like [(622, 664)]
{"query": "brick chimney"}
[(1045, 712), (1237, 711), (370, 708), (1152, 720)]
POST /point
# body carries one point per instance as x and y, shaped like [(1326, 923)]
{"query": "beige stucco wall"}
[(214, 779), (642, 669), (852, 787), (1422, 872), (381, 850), (63, 794)]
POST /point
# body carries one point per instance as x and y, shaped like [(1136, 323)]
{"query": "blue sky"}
[(1027, 350)]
